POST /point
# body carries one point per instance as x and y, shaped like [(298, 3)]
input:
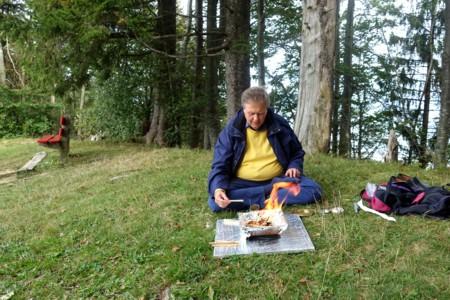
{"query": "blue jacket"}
[(229, 148)]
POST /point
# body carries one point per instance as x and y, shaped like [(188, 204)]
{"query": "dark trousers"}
[(256, 192)]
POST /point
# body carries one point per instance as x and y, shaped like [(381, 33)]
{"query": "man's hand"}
[(292, 172), (220, 197)]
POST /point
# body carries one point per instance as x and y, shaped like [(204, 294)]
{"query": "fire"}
[(272, 202)]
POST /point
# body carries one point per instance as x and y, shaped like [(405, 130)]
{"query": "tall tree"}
[(312, 123), (443, 134), (2, 67), (414, 91), (237, 56), (197, 85), (423, 145), (337, 81), (260, 46), (345, 123), (188, 27), (167, 128), (213, 40)]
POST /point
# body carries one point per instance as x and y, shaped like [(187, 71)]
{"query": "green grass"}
[(74, 232)]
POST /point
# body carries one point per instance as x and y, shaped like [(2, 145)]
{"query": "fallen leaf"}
[(175, 248), (304, 281)]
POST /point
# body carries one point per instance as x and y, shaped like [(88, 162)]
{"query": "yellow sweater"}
[(259, 162)]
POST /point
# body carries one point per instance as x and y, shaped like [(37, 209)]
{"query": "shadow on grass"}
[(86, 152)]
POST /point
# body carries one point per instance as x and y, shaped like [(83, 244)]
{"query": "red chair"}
[(52, 139), (59, 141)]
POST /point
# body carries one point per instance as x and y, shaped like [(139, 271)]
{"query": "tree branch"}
[(153, 50), (130, 34), (22, 82), (224, 46)]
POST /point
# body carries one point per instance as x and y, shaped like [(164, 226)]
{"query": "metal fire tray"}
[(294, 239), (277, 223)]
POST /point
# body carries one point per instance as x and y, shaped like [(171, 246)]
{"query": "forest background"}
[(148, 71)]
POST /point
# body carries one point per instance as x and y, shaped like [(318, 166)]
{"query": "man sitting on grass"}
[(256, 149)]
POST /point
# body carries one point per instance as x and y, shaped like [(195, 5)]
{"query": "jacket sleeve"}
[(296, 152), (221, 167)]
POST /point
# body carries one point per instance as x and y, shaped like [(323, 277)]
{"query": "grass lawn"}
[(128, 221)]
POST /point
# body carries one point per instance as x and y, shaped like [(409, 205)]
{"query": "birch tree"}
[(312, 123)]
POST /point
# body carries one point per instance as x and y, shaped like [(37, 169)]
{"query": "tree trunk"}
[(206, 140), (312, 123), (169, 114), (223, 16), (167, 129), (260, 43), (237, 57), (160, 138), (392, 148), (82, 98), (361, 110), (443, 133), (151, 134), (2, 67), (423, 157), (212, 79), (197, 92), (346, 112), (425, 116), (336, 98), (20, 76), (188, 27), (52, 96)]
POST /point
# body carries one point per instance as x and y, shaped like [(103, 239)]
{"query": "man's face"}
[(255, 113)]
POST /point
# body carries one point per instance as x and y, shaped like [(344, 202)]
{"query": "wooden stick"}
[(220, 243), (225, 241), (237, 200), (225, 245)]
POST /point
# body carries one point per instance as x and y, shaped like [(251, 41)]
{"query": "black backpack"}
[(404, 195)]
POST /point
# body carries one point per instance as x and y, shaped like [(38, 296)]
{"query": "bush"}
[(28, 119), (116, 112)]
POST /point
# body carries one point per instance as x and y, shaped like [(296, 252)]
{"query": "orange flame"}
[(272, 202)]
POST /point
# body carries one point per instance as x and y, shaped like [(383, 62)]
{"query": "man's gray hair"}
[(256, 94)]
